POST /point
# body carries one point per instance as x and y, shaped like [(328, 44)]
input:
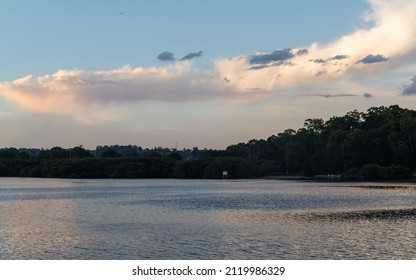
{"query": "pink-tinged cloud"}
[(384, 46), (75, 92)]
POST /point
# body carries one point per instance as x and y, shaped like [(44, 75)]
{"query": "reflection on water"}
[(367, 215), (197, 219)]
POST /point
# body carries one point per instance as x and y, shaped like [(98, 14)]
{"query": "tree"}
[(58, 152), (408, 127), (175, 156), (79, 152), (9, 153), (110, 153), (314, 125)]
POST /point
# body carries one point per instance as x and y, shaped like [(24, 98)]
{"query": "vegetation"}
[(378, 144)]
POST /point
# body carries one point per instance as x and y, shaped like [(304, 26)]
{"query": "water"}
[(205, 219)]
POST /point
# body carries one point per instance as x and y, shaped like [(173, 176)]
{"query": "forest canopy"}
[(377, 144)]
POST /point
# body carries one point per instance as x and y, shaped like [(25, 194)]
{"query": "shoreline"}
[(335, 179), (277, 178)]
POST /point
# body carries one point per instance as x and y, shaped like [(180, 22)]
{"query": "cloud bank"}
[(383, 47), (75, 93), (45, 94)]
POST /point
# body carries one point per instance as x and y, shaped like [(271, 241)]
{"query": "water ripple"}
[(197, 219)]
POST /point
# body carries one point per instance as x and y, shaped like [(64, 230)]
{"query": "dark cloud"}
[(322, 61), (410, 90), (329, 95), (320, 73), (279, 63), (372, 59), (338, 95), (192, 55), (258, 67), (339, 57), (275, 56), (364, 95), (319, 60), (302, 52), (166, 56)]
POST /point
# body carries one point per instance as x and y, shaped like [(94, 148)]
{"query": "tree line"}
[(377, 144)]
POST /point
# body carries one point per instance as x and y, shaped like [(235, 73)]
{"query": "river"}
[(205, 219)]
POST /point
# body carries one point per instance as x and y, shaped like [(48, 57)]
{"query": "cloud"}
[(411, 89), (166, 56), (319, 60), (78, 93), (226, 80), (339, 57), (389, 37), (323, 61), (338, 95), (329, 95), (320, 73), (191, 55), (367, 95), (275, 56), (372, 59), (302, 52), (258, 67)]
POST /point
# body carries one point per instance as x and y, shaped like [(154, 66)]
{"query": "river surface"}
[(205, 219)]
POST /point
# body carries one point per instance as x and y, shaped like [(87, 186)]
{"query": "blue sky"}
[(88, 73), (44, 36)]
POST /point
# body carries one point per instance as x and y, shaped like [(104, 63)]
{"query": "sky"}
[(186, 73)]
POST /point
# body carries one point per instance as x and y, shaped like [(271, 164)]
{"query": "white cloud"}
[(74, 92), (392, 35), (91, 96)]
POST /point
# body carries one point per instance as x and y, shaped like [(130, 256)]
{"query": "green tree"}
[(408, 128), (79, 152), (58, 152), (110, 153)]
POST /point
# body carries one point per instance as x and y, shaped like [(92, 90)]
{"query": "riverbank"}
[(335, 178)]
